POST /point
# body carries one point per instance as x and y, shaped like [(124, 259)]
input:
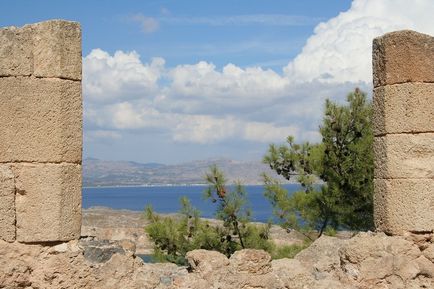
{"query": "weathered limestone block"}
[(7, 204), (404, 205), (48, 202), (251, 261), (404, 108), (41, 120), (15, 51), (404, 156), (206, 262), (57, 49), (46, 49), (403, 56)]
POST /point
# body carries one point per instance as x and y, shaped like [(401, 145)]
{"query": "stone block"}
[(403, 56), (15, 51), (46, 49), (41, 120), (404, 156), (48, 202), (57, 49), (404, 108), (404, 205), (7, 204)]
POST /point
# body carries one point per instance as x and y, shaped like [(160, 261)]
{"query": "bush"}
[(173, 237)]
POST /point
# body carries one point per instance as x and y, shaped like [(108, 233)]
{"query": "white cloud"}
[(200, 103), (121, 76), (340, 49), (185, 128), (231, 84), (203, 129), (148, 24), (267, 132)]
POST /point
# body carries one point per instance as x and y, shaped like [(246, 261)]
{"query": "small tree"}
[(343, 163), (174, 236), (231, 203)]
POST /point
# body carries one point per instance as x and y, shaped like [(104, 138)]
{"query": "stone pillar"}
[(40, 132), (403, 67)]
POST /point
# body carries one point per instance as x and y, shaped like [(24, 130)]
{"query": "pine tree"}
[(336, 174)]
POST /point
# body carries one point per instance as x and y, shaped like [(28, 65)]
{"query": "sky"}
[(171, 81)]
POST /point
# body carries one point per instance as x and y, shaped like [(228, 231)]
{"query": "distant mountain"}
[(117, 173)]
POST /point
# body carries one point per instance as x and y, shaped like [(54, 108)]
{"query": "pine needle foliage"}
[(173, 237), (336, 175)]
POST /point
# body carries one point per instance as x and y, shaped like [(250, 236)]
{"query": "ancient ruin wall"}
[(40, 132), (403, 66)]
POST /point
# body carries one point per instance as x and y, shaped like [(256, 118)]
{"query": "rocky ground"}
[(106, 257), (368, 260)]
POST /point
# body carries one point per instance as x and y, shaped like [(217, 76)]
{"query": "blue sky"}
[(172, 81), (188, 31)]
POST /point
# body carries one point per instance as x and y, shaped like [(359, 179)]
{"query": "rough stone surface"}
[(251, 261), (15, 51), (206, 262), (41, 120), (404, 156), (429, 252), (41, 136), (48, 202), (404, 108), (402, 205), (403, 121), (45, 49), (100, 251), (368, 260), (57, 49), (380, 261), (403, 56), (7, 204)]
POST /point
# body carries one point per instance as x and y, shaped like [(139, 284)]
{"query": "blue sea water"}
[(165, 199)]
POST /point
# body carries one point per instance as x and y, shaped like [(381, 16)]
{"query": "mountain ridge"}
[(98, 172)]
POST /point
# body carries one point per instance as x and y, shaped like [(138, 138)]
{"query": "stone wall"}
[(403, 64), (40, 132)]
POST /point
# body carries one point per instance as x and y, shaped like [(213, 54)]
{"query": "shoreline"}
[(168, 185)]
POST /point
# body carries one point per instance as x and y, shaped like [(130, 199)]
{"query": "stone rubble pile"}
[(368, 260)]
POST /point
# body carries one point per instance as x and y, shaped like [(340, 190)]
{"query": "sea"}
[(166, 199)]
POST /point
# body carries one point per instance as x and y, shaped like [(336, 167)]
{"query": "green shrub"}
[(173, 237), (288, 251)]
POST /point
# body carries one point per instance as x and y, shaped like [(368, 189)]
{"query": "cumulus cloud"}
[(200, 103), (119, 76), (232, 86), (340, 49), (185, 128)]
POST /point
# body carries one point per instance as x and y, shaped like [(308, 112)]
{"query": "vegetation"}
[(336, 174), (336, 177), (231, 208), (174, 237), (288, 251)]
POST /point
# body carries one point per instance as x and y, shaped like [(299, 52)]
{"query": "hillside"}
[(116, 173)]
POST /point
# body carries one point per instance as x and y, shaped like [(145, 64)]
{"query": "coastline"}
[(171, 185)]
